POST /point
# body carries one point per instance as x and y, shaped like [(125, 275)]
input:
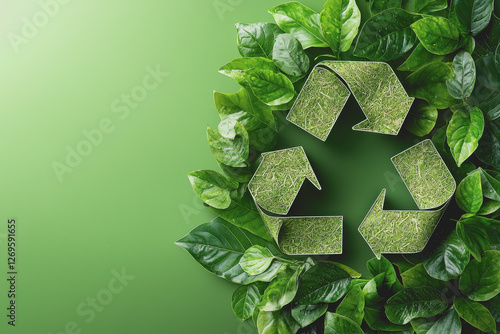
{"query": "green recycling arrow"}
[(430, 184), (375, 86)]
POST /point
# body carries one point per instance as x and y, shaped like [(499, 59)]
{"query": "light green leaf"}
[(281, 291), (386, 36), (448, 323), (229, 145), (419, 58), (246, 298), (277, 322), (301, 21), (488, 208), (421, 118), (256, 39), (307, 314), (414, 303), (340, 21), (474, 233), (449, 260), (213, 188), (256, 260), (475, 314), (463, 133), (377, 6), (376, 267), (417, 276), (469, 193), (474, 14), (437, 34), (338, 324), (353, 304), (464, 77), (289, 56), (234, 68), (481, 280)]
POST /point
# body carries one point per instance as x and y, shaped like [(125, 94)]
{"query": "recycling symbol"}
[(280, 175)]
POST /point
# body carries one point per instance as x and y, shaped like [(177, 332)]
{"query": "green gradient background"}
[(120, 208)]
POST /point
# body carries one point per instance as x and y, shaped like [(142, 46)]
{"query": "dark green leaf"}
[(340, 21), (289, 56), (429, 6), (307, 314), (256, 260), (488, 208), (414, 303), (490, 186), (386, 36), (481, 280), (475, 314), (229, 145), (418, 277), (218, 246), (449, 260), (377, 6), (353, 304), (486, 94), (489, 146), (213, 188), (460, 86), (323, 283), (377, 320), (281, 291), (463, 133), (300, 21), (474, 14), (419, 58), (277, 322), (448, 323), (246, 298), (474, 233), (469, 194), (421, 118), (238, 174), (376, 266), (338, 324), (257, 39), (437, 34), (488, 39)]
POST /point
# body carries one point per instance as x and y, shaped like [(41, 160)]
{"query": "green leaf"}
[(486, 94), (414, 303), (338, 324), (353, 304), (481, 280), (474, 14), (376, 266), (488, 208), (234, 68), (218, 246), (377, 6), (372, 290), (278, 322), (256, 260), (475, 314), (339, 22), (429, 83), (289, 56), (323, 283), (489, 146), (300, 21), (256, 39), (229, 145), (246, 298), (281, 291), (417, 276), (421, 118), (469, 194), (437, 34), (419, 58), (307, 314), (489, 185), (463, 133), (256, 117), (464, 78), (429, 6), (213, 188), (449, 260), (386, 36), (474, 233), (448, 323), (377, 320)]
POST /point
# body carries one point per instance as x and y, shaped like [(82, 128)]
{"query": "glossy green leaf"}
[(475, 314), (449, 260), (386, 36), (213, 188), (353, 304), (417, 276), (323, 283), (377, 320), (338, 324), (246, 298), (256, 39), (277, 322), (234, 68), (429, 6), (481, 280), (419, 58), (486, 94), (289, 56), (256, 260), (281, 291), (474, 14), (414, 303), (474, 233), (340, 21), (429, 83), (376, 267), (448, 323), (489, 185), (218, 246), (422, 118), (301, 21), (437, 34), (489, 146), (463, 133), (229, 145), (488, 207), (460, 86), (377, 6), (307, 314), (469, 193), (372, 290)]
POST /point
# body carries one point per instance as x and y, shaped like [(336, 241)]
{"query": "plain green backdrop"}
[(124, 202)]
